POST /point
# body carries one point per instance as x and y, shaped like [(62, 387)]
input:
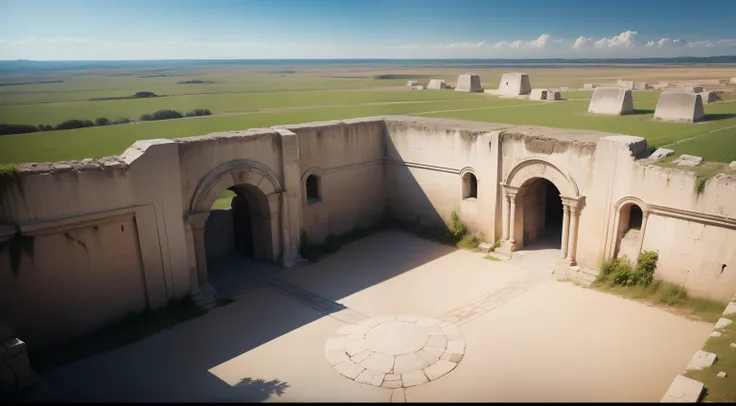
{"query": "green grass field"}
[(241, 99)]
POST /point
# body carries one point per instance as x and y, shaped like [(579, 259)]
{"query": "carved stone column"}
[(512, 219), (505, 218), (645, 216), (565, 228), (197, 223), (572, 244)]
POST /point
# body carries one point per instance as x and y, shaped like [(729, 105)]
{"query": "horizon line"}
[(369, 58)]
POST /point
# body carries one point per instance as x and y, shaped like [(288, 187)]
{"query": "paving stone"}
[(438, 369), (359, 357), (456, 347), (411, 318), (429, 356), (335, 344), (722, 374), (379, 362), (436, 341), (353, 347), (386, 319), (435, 351), (352, 329), (336, 357), (683, 390), (456, 358), (370, 323), (407, 363), (723, 323), (661, 153), (688, 160), (427, 322), (370, 377), (455, 337), (355, 337), (398, 396), (349, 369), (413, 379), (732, 165), (700, 360), (450, 330), (732, 345), (435, 330), (391, 384), (715, 334), (731, 307), (392, 377)]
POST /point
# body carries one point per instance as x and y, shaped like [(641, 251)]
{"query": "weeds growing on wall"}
[(16, 247), (10, 175), (637, 282)]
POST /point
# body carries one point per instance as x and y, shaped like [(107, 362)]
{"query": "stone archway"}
[(629, 224), (525, 178), (264, 194)]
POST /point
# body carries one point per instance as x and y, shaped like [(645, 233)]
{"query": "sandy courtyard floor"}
[(527, 337)]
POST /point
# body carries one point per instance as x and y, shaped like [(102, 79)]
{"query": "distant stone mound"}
[(611, 100), (437, 84), (679, 106), (538, 94), (709, 97), (468, 82), (514, 84)]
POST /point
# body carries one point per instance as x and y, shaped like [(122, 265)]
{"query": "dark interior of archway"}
[(635, 217), (242, 227), (552, 211), (542, 215)]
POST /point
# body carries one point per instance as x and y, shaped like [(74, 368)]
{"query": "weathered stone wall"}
[(347, 158), (126, 233)]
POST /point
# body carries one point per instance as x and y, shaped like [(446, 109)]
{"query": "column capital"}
[(197, 220), (574, 202)]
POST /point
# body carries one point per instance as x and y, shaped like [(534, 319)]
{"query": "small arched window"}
[(313, 192), (470, 186)]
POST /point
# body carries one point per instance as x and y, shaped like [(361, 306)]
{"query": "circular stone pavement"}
[(396, 351)]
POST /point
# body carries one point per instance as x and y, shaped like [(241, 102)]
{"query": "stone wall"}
[(127, 233)]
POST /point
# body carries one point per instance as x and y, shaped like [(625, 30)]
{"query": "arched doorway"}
[(237, 237), (630, 231), (541, 206), (541, 215), (235, 225)]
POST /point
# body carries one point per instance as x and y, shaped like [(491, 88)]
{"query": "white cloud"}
[(582, 42), (539, 43), (665, 42), (626, 39), (625, 44)]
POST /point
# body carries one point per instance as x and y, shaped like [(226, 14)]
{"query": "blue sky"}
[(159, 29)]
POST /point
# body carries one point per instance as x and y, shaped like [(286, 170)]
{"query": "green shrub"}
[(619, 271), (468, 241), (646, 264), (457, 228)]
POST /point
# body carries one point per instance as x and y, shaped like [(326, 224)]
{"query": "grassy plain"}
[(242, 97)]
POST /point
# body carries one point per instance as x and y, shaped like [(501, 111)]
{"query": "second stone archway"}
[(517, 183)]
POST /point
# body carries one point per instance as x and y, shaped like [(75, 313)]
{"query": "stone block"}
[(611, 101), (485, 247), (715, 334), (700, 360), (438, 369), (468, 82), (730, 308), (436, 84), (349, 369), (661, 153), (688, 160), (732, 165), (538, 94), (406, 363), (722, 374), (514, 84), (721, 323), (683, 390), (336, 357), (732, 345), (413, 379), (370, 377), (360, 357), (679, 106), (379, 362)]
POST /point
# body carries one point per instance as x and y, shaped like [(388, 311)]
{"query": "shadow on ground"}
[(641, 112), (719, 116)]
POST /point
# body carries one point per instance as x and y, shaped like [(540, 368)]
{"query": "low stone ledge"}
[(683, 390)]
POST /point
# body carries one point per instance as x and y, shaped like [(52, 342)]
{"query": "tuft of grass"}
[(617, 276), (490, 258), (133, 327), (719, 389), (703, 172)]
